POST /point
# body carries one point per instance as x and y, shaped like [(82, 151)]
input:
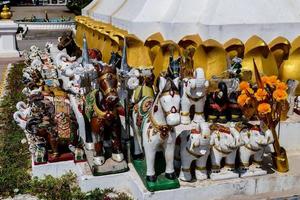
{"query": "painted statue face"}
[(170, 100)]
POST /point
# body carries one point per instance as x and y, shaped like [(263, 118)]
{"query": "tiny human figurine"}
[(216, 104), (234, 111)]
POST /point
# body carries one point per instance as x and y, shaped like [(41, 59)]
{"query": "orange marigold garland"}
[(264, 108), (243, 99), (244, 85), (281, 86), (280, 95), (260, 94)]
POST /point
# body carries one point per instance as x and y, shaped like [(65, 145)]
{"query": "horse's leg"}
[(117, 154), (137, 139), (169, 146), (199, 106), (137, 144), (185, 110), (53, 140), (98, 136), (150, 152)]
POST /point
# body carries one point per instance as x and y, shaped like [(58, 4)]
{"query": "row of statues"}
[(92, 110)]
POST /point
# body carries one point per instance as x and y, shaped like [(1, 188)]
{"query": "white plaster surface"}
[(55, 169), (8, 31), (216, 19)]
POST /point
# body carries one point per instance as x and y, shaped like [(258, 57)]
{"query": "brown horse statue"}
[(101, 110), (67, 42)]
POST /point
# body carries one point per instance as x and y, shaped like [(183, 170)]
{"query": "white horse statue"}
[(194, 93), (195, 145), (156, 126), (255, 142), (225, 141)]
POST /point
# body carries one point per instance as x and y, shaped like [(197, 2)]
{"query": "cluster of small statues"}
[(77, 103)]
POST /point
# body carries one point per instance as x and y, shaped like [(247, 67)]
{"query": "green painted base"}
[(162, 183)]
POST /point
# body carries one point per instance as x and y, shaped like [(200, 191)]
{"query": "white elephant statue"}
[(52, 49), (27, 91), (225, 141), (195, 145), (255, 142), (160, 116), (36, 64), (194, 93), (21, 119), (24, 108), (22, 114)]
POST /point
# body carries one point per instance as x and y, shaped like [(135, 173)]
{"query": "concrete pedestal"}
[(8, 48)]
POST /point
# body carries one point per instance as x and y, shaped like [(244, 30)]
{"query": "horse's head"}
[(115, 60), (65, 40), (174, 67), (95, 54), (108, 85), (196, 86), (170, 100)]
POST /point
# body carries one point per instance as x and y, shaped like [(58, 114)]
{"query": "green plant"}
[(14, 157), (65, 188)]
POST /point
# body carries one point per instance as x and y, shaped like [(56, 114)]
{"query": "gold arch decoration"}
[(211, 56), (235, 48), (167, 48), (290, 68), (189, 41), (257, 49), (80, 29), (280, 48), (138, 55), (153, 42)]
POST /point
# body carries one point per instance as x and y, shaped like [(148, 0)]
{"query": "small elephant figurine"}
[(195, 146), (194, 93), (255, 141), (225, 141)]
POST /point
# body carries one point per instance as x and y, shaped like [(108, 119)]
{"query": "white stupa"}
[(215, 19)]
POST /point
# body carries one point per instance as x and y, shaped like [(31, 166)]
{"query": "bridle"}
[(163, 129), (107, 77), (66, 44)]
